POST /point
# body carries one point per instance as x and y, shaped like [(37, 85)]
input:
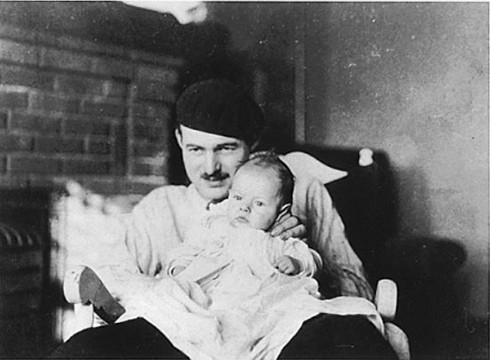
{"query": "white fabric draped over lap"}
[(258, 328), (247, 309)]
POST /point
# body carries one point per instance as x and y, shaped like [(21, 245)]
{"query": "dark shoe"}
[(82, 285)]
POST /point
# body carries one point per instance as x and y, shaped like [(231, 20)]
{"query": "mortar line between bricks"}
[(64, 115), (44, 134), (7, 164), (92, 74), (64, 71), (94, 98), (39, 41), (94, 158)]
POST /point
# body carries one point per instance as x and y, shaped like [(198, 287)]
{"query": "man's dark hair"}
[(270, 160)]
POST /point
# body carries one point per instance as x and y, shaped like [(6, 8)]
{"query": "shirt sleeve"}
[(310, 260), (326, 234), (151, 231)]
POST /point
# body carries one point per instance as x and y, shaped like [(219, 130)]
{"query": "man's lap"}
[(132, 339), (338, 337), (322, 337)]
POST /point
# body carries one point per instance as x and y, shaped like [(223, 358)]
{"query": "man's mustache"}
[(216, 176)]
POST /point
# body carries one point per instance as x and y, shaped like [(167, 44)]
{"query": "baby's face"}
[(254, 199)]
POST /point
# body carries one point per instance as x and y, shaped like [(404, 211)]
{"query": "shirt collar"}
[(196, 199)]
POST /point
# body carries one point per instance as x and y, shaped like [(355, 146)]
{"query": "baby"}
[(232, 252), (262, 193)]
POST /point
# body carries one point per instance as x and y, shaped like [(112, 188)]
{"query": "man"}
[(218, 126)]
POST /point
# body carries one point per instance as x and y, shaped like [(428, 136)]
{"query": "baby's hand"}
[(288, 265)]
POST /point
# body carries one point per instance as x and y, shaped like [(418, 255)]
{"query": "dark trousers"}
[(322, 337)]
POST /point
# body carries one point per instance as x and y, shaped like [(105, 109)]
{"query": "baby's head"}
[(261, 191)]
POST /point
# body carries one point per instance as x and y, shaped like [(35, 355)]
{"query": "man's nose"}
[(211, 163)]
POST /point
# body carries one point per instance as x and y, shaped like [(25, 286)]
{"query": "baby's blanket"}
[(258, 328)]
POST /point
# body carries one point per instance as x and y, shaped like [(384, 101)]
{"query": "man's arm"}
[(152, 231), (326, 234)]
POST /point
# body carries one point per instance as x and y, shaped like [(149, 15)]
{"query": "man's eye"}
[(236, 197), (227, 148), (194, 150)]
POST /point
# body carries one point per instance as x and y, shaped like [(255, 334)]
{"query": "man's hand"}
[(288, 226), (288, 265)]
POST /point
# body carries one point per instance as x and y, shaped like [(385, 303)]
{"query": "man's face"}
[(211, 160), (255, 198)]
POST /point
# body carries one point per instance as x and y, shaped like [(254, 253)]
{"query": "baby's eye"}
[(236, 197), (259, 203)]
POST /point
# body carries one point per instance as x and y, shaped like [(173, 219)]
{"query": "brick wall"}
[(73, 109)]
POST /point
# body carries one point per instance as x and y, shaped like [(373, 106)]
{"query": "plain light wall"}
[(407, 78), (411, 79)]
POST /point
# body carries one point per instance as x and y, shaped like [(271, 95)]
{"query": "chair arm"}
[(71, 284), (386, 299), (84, 313)]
